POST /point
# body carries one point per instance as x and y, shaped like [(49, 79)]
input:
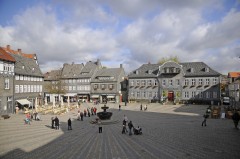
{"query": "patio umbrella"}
[(45, 101), (36, 104), (61, 101)]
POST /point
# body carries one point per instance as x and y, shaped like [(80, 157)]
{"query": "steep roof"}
[(233, 74), (199, 69), (26, 66), (72, 70), (144, 71), (108, 72), (53, 75), (89, 69), (5, 56), (19, 52)]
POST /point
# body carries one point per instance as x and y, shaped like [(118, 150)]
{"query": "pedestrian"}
[(85, 112), (53, 122), (56, 123), (69, 124), (145, 107), (130, 126), (119, 107), (236, 118), (81, 115), (205, 116), (78, 115), (141, 106), (124, 130), (99, 126)]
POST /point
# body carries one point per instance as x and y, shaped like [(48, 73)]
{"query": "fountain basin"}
[(104, 115)]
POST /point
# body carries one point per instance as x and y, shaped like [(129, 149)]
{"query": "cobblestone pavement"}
[(168, 132)]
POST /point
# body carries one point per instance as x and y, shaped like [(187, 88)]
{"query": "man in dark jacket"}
[(130, 126), (56, 123), (236, 118), (69, 124)]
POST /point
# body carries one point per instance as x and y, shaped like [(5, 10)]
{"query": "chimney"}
[(8, 47), (20, 51), (121, 66)]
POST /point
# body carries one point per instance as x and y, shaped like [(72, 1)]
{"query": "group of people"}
[(87, 112), (136, 131), (141, 107), (55, 123), (29, 117)]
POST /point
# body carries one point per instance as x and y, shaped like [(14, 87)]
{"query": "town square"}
[(105, 79)]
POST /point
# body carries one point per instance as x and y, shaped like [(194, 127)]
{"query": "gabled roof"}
[(143, 71), (108, 72), (53, 75), (89, 69), (199, 69), (19, 52), (5, 56), (72, 70), (26, 66), (233, 74)]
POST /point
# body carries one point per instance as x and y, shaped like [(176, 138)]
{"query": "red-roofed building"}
[(6, 82), (233, 87), (19, 52)]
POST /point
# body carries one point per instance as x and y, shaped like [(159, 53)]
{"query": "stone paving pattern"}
[(169, 132)]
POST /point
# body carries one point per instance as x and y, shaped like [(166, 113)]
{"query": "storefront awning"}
[(23, 101), (95, 96), (110, 96), (70, 94)]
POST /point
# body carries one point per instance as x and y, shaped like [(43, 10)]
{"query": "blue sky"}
[(124, 32)]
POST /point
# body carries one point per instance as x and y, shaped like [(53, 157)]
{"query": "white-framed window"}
[(74, 88), (215, 81), (164, 82), (132, 94), (155, 94), (132, 83), (186, 82), (34, 88), (40, 88), (143, 83), (25, 88), (21, 89), (21, 77), (149, 82), (193, 94), (201, 95), (193, 82), (207, 81), (69, 88), (37, 88), (138, 83), (78, 88), (155, 83), (170, 82), (138, 94), (103, 86), (16, 88), (74, 80), (31, 88), (110, 86), (150, 94), (186, 94), (17, 77), (6, 83), (144, 94), (70, 81), (200, 81)]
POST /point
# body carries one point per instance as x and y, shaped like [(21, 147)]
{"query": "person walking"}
[(99, 126), (205, 116), (81, 115), (141, 106), (130, 126), (236, 118), (56, 123), (119, 107), (53, 122), (69, 124)]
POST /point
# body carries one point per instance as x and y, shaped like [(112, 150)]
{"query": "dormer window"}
[(33, 69), (149, 71), (23, 67), (191, 70), (137, 72), (206, 69)]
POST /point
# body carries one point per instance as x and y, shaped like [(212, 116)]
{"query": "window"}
[(144, 94), (193, 94), (17, 77), (186, 82), (34, 88), (21, 89), (178, 82), (214, 94), (6, 83), (149, 82), (186, 94), (132, 94), (25, 88), (74, 81), (207, 95), (29, 88), (200, 82), (138, 94), (74, 88), (70, 81), (16, 88), (201, 95), (170, 82), (95, 86), (207, 81), (40, 88), (164, 82), (69, 88), (155, 83), (138, 82), (143, 82), (21, 77), (193, 82), (215, 81), (131, 83), (103, 86), (150, 94), (78, 88), (110, 86)]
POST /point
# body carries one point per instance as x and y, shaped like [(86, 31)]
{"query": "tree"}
[(55, 87), (171, 58)]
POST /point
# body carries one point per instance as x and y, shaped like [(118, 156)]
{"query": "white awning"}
[(23, 101), (95, 96), (70, 94), (110, 96)]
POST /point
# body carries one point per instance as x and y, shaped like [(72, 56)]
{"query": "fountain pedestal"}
[(104, 115)]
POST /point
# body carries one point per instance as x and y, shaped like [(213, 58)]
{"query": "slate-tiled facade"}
[(6, 82), (106, 85), (193, 81)]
